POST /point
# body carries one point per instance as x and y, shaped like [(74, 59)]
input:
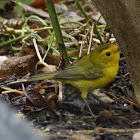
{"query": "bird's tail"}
[(42, 76), (37, 77)]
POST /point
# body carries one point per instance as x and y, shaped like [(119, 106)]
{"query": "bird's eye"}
[(108, 54)]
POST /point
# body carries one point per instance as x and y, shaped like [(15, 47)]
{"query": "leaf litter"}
[(118, 117)]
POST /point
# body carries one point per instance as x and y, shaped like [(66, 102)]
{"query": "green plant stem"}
[(13, 40), (58, 33), (82, 11), (96, 31), (20, 9), (49, 46)]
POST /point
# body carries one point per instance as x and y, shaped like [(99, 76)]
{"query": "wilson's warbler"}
[(93, 71)]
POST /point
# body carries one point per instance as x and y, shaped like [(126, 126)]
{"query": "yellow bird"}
[(93, 71)]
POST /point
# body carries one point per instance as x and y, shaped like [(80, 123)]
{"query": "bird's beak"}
[(120, 47)]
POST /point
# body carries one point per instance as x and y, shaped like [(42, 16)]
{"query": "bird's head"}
[(105, 55)]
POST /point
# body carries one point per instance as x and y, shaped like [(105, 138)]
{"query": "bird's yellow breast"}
[(90, 85)]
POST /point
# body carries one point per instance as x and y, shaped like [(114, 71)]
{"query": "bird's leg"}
[(89, 108), (84, 96)]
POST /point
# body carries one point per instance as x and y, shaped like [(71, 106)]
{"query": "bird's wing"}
[(73, 73)]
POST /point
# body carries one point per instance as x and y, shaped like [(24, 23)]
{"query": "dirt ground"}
[(116, 112)]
